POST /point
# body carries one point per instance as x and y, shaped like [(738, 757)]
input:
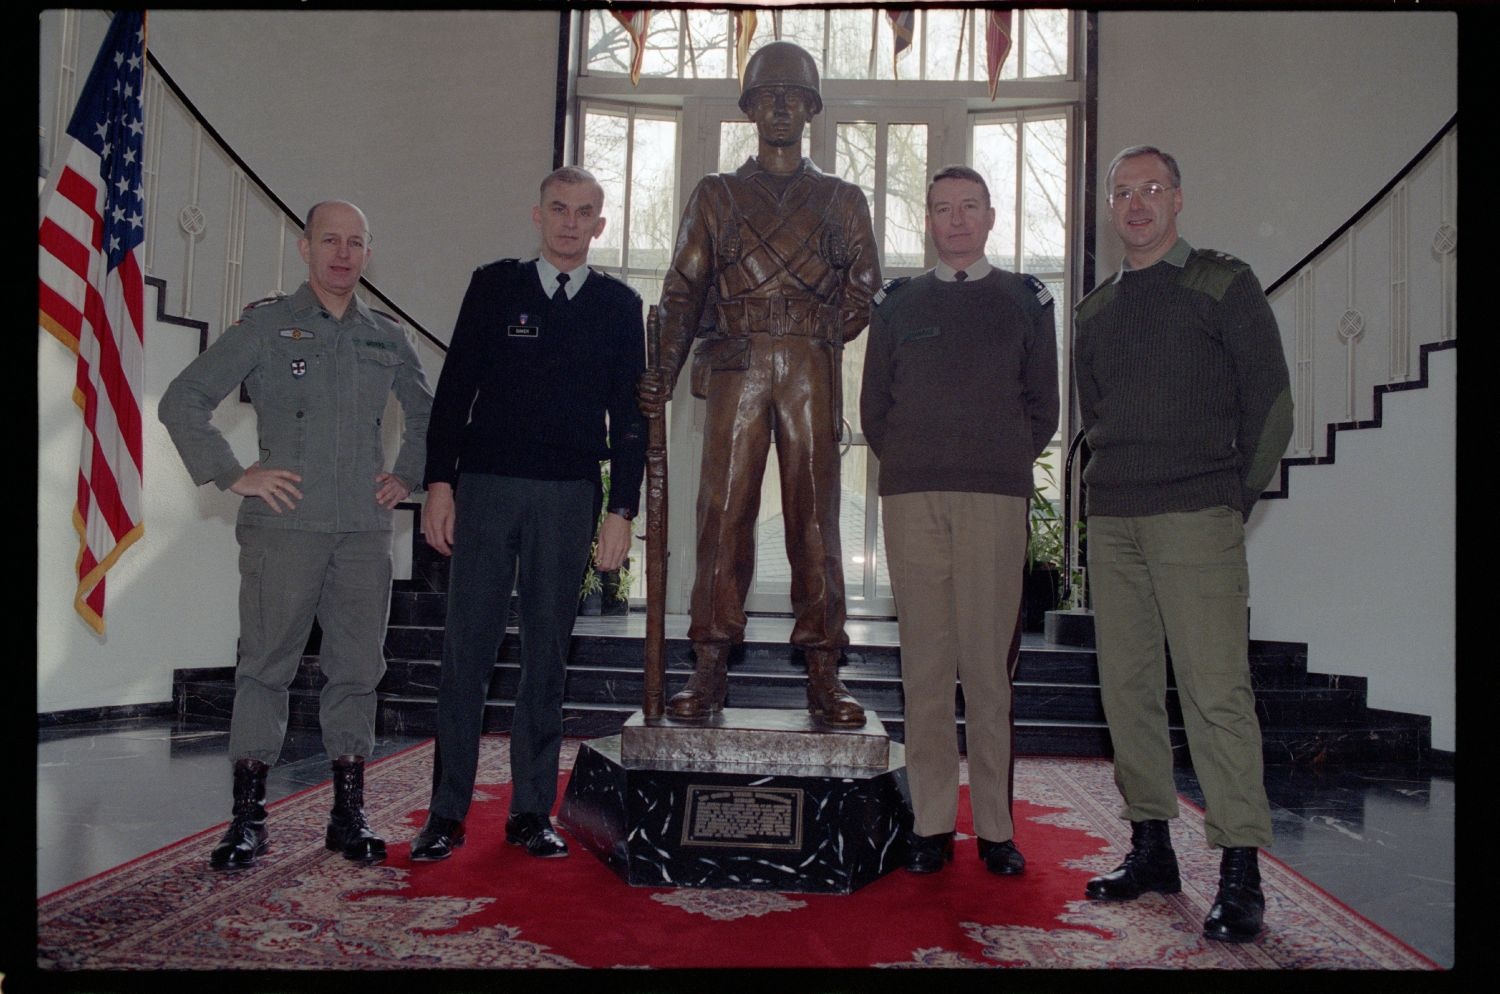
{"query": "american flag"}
[(90, 295)]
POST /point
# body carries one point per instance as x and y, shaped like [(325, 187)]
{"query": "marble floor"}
[(1378, 839)]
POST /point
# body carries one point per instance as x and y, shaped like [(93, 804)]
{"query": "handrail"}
[(1370, 205), (213, 133)]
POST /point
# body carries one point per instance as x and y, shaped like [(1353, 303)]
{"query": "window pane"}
[(995, 159), (662, 33), (737, 142), (604, 137), (1043, 190), (854, 155), (652, 219), (1046, 43), (906, 193), (849, 40), (800, 27), (712, 34), (945, 59), (608, 46)]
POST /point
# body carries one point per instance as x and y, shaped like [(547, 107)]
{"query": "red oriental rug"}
[(491, 907)]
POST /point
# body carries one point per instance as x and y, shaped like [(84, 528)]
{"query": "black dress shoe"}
[(928, 853), (535, 834), (1239, 907), (1001, 857), (437, 840)]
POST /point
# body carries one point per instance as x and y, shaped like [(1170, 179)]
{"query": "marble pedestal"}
[(753, 799)]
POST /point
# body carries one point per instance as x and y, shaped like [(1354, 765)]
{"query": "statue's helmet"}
[(780, 63)]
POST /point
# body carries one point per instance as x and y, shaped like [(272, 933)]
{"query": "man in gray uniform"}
[(315, 526), (1184, 394), (959, 398)]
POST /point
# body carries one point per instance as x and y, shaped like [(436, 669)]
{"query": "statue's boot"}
[(827, 697), (707, 687)]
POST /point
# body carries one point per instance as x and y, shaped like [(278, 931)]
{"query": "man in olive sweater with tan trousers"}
[(1184, 394), (959, 398)]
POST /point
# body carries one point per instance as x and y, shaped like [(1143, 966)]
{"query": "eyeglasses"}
[(1148, 193)]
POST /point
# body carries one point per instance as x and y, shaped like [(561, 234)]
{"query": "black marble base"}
[(1073, 627), (802, 829)]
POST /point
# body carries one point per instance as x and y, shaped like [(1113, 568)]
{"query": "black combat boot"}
[(1151, 865), (348, 832), (1239, 907), (246, 837)]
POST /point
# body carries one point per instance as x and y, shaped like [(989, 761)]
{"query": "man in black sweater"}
[(1184, 394), (543, 352), (959, 398)]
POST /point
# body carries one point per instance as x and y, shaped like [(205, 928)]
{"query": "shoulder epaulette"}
[(1094, 299), (497, 263), (885, 291), (1211, 272), (1036, 286), (273, 298), (387, 315)]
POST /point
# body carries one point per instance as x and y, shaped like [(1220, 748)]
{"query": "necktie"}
[(561, 293), (960, 276)]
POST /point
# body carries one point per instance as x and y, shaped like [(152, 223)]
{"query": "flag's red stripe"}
[(52, 304), (107, 494), (66, 249), (118, 389), (134, 285)]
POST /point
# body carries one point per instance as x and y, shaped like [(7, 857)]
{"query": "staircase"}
[(1306, 719)]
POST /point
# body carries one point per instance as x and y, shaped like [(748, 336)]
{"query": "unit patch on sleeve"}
[(1043, 295)]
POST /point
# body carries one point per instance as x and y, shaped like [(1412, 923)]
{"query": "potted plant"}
[(604, 592), (1044, 554)]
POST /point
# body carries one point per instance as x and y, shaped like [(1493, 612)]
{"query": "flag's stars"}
[(129, 159), (102, 130), (135, 61), (114, 244), (136, 221), (108, 148), (136, 127), (123, 184), (118, 214), (119, 58)]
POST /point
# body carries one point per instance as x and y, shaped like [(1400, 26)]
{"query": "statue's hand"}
[(652, 394)]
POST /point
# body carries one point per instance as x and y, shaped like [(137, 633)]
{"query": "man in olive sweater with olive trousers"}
[(1184, 394)]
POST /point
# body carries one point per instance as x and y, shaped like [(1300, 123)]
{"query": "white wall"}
[(1284, 123), (1359, 561), (170, 600)]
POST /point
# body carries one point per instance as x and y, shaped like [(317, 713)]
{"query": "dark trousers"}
[(544, 527)]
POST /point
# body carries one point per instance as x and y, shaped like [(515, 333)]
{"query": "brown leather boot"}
[(827, 697), (707, 687)]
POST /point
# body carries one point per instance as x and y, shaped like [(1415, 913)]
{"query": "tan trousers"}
[(955, 562)]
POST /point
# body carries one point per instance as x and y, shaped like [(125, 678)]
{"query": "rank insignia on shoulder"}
[(885, 291), (296, 334), (1043, 295), (265, 300), (299, 368)]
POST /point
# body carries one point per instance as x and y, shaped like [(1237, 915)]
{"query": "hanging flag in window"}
[(996, 44), (903, 24), (634, 22), (91, 292), (744, 30)]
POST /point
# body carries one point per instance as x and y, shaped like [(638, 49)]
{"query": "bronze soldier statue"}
[(776, 264)]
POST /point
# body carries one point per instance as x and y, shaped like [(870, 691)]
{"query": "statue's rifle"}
[(656, 538)]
